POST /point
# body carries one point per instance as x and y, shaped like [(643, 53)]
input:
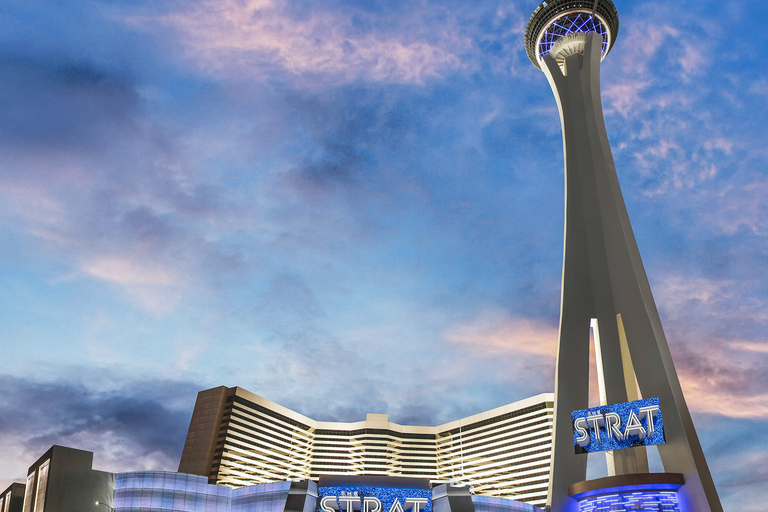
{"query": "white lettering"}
[(649, 413), (612, 425), (350, 501), (581, 427), (396, 506), (634, 428), (368, 501), (417, 503), (328, 504), (596, 421)]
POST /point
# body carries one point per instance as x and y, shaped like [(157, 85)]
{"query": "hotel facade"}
[(237, 438)]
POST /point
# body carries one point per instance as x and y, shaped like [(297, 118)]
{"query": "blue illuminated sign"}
[(612, 427), (663, 501), (356, 498)]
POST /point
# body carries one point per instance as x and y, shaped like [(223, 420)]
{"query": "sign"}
[(612, 427), (374, 499)]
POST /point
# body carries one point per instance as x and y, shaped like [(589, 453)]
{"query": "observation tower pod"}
[(605, 291)]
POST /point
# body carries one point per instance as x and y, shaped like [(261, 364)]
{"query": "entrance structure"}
[(604, 285)]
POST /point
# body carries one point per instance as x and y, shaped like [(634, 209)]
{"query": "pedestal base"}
[(642, 491)]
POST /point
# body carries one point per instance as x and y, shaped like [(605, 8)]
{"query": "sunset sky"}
[(353, 206)]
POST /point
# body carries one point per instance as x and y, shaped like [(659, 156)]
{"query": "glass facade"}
[(496, 504), (269, 497), (158, 491)]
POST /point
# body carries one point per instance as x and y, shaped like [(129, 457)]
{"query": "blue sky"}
[(352, 207)]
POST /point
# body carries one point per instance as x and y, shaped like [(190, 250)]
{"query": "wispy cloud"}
[(125, 272), (723, 394), (500, 334), (253, 38)]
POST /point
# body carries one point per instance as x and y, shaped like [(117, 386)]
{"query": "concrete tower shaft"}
[(604, 285)]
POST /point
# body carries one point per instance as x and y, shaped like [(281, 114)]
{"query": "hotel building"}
[(63, 480), (237, 438), (12, 499)]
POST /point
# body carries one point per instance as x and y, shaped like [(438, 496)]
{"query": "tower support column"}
[(604, 279)]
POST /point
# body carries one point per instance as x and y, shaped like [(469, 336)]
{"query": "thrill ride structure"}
[(605, 290)]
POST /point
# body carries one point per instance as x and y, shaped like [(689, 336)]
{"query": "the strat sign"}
[(368, 504), (374, 499), (612, 427)]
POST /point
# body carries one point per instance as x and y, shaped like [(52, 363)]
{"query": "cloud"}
[(750, 346), (133, 426), (501, 334), (743, 446), (716, 331), (121, 271), (743, 205), (253, 38), (108, 189), (624, 96), (705, 394)]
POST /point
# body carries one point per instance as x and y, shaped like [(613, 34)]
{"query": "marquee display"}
[(617, 426), (374, 499)]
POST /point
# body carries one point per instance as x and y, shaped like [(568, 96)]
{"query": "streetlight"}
[(110, 508)]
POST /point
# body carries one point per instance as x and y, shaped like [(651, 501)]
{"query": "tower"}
[(605, 289)]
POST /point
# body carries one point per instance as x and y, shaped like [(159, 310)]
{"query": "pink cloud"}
[(750, 346), (251, 38), (500, 334), (706, 393), (153, 286), (123, 271), (624, 96)]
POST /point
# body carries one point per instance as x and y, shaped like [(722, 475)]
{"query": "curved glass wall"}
[(159, 491), (497, 504), (269, 497)]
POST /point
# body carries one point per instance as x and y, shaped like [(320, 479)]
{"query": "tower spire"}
[(604, 284)]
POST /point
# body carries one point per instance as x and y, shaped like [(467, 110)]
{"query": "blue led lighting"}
[(570, 23), (386, 495), (659, 501)]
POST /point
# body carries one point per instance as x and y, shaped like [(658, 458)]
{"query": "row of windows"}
[(517, 443), (463, 460), (244, 437), (267, 421), (249, 458), (496, 419), (269, 412), (471, 438), (374, 431), (458, 464), (515, 428), (267, 430), (461, 429), (411, 450)]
